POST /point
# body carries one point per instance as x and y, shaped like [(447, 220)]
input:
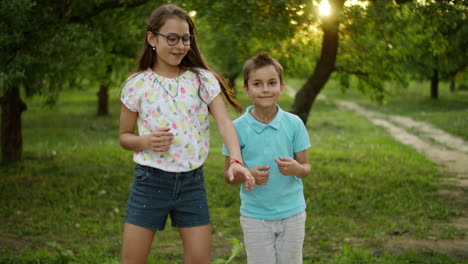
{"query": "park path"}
[(448, 151)]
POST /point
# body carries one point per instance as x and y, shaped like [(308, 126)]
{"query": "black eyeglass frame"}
[(190, 39)]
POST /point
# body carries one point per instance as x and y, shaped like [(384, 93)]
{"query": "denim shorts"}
[(155, 194)]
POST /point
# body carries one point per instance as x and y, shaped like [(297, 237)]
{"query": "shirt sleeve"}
[(131, 91), (301, 136), (210, 87)]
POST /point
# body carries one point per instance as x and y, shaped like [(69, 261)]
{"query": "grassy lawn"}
[(65, 203), (449, 112)]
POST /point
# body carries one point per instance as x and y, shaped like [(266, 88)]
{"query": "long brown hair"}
[(193, 59)]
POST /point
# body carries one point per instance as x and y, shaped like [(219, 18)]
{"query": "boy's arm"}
[(299, 166), (301, 158)]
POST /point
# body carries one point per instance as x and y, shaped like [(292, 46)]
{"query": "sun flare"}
[(324, 8)]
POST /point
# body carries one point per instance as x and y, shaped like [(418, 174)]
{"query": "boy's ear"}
[(245, 88), (282, 87)]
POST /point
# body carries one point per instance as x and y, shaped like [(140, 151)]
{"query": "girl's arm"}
[(228, 133), (159, 140), (238, 179), (260, 174), (299, 166)]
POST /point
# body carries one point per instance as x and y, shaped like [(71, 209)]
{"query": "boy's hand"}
[(238, 169), (289, 166), (261, 174)]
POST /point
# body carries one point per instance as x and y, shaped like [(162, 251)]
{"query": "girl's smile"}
[(179, 55)]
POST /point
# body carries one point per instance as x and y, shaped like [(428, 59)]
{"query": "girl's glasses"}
[(173, 39)]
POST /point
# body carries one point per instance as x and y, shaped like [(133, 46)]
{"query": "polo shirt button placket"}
[(267, 151)]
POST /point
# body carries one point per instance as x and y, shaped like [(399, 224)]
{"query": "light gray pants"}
[(274, 242)]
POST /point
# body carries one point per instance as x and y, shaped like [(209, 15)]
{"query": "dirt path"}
[(449, 151)]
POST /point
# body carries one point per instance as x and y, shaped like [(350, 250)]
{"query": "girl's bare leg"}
[(136, 244), (197, 244)]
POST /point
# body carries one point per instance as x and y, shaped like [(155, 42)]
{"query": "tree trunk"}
[(435, 85), (452, 77), (452, 84), (306, 96), (12, 139), (231, 79), (103, 94), (103, 100)]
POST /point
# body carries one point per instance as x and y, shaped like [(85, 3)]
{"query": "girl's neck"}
[(167, 71), (264, 115)]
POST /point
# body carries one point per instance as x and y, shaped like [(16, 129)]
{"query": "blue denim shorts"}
[(157, 194)]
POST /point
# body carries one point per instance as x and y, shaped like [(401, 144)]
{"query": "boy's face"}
[(264, 87)]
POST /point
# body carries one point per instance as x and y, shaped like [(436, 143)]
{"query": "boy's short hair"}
[(258, 61)]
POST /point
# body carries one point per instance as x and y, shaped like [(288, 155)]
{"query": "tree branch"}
[(95, 11), (343, 70)]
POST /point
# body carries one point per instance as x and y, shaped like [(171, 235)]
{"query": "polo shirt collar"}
[(258, 126)]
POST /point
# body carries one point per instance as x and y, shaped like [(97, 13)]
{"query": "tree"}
[(397, 42), (384, 42), (41, 43), (373, 46), (117, 33), (35, 49), (443, 53), (308, 93), (233, 31)]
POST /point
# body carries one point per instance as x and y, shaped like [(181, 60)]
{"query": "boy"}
[(274, 147)]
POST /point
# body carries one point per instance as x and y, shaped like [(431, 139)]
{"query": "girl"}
[(169, 99)]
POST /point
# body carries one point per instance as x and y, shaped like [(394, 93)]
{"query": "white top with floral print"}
[(178, 103)]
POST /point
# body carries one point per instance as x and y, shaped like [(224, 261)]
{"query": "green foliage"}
[(237, 249), (439, 33), (357, 255), (64, 255), (367, 47), (38, 50), (49, 46), (119, 34), (390, 42), (233, 31)]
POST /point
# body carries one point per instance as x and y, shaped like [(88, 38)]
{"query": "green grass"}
[(449, 112), (65, 202)]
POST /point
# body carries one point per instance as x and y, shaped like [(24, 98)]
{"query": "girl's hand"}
[(289, 166), (160, 140), (238, 169), (261, 174)]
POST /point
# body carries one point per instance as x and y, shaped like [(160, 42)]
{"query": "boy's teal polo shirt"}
[(260, 144)]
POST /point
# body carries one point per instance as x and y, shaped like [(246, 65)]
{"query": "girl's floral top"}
[(178, 103)]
